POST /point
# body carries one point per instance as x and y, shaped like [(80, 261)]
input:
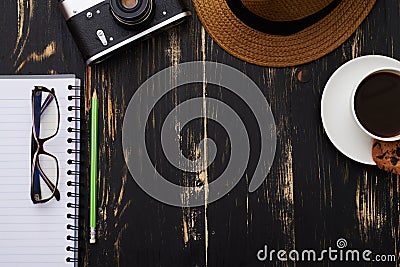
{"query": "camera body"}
[(101, 27)]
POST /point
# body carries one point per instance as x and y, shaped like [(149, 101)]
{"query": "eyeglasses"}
[(45, 168)]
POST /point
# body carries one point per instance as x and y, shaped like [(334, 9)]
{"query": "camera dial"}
[(131, 12)]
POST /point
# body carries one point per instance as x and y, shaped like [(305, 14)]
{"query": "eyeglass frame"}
[(40, 149)]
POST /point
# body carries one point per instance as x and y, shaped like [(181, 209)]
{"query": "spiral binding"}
[(74, 162)]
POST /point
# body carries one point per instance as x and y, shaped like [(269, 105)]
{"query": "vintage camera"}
[(101, 27)]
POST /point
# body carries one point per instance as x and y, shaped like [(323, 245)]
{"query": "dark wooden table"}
[(313, 196)]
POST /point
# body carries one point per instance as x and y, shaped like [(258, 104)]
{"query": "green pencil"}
[(93, 166)]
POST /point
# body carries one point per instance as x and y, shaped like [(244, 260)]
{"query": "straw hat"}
[(281, 33)]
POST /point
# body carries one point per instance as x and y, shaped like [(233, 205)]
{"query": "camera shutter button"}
[(102, 37)]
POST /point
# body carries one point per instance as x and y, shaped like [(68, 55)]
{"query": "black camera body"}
[(101, 27)]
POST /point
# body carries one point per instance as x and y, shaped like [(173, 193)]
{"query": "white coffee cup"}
[(353, 100)]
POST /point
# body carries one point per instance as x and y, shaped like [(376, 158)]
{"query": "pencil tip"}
[(94, 94)]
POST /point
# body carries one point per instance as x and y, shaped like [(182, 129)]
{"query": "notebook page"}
[(32, 234)]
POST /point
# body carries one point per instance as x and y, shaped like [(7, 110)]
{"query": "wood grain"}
[(312, 197)]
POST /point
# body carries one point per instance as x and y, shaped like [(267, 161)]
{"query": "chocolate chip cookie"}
[(387, 155)]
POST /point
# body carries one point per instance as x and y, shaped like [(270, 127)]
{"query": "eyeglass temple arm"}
[(46, 102), (37, 100), (36, 184)]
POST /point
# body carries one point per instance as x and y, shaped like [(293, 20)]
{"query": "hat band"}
[(278, 27)]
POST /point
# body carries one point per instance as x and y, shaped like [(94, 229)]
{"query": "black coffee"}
[(377, 104)]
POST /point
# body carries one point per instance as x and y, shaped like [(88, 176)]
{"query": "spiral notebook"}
[(44, 234)]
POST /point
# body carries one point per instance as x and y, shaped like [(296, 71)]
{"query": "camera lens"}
[(129, 4), (131, 12)]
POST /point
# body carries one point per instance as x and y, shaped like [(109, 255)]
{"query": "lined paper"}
[(33, 234)]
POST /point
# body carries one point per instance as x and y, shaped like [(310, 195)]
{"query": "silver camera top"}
[(72, 8)]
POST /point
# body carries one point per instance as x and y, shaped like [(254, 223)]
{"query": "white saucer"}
[(337, 118)]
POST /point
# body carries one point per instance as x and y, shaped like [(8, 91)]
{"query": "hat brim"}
[(263, 49)]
